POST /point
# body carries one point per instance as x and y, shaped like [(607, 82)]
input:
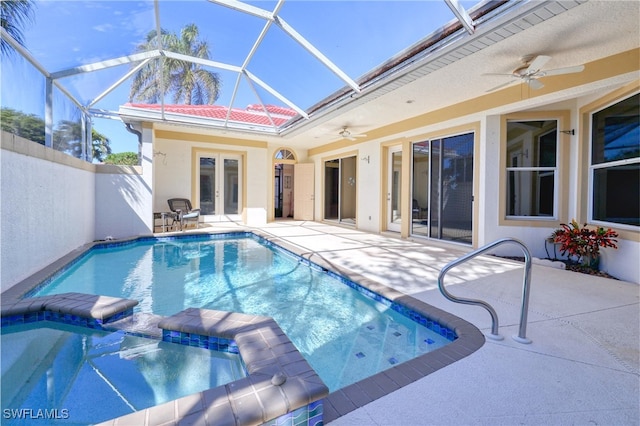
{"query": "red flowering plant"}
[(584, 243)]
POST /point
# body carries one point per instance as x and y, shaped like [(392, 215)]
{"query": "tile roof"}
[(253, 114)]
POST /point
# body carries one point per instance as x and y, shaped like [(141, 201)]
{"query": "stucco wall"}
[(53, 203), (46, 208), (621, 263), (123, 202), (173, 174)]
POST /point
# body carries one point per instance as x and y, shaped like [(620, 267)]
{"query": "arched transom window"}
[(284, 154)]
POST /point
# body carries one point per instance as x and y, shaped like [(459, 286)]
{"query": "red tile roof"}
[(253, 114)]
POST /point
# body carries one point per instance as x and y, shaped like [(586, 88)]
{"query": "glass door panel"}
[(443, 188), (340, 190), (456, 216), (420, 185), (434, 190), (331, 189), (348, 190), (393, 196), (231, 187), (207, 185)]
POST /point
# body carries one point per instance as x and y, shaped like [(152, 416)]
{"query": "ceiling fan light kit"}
[(531, 70), (346, 134)]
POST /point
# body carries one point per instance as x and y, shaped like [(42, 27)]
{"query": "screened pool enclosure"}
[(268, 66)]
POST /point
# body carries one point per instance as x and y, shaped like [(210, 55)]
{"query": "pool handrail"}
[(521, 337)]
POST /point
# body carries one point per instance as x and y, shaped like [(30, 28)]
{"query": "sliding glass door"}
[(340, 190), (442, 205)]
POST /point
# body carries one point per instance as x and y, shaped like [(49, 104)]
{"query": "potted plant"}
[(583, 243)]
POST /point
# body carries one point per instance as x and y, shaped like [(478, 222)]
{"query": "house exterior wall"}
[(490, 222), (175, 170), (47, 207)]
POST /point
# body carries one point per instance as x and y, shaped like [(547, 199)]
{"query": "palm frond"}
[(185, 81)]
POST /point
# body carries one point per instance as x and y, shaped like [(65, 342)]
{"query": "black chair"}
[(182, 208)]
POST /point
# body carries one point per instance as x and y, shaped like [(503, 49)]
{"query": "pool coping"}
[(280, 384), (343, 401), (338, 403)]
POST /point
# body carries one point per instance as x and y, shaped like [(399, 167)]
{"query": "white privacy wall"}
[(46, 208), (123, 202), (52, 204)]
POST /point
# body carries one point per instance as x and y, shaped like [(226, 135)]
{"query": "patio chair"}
[(182, 208), (418, 213), (415, 209)]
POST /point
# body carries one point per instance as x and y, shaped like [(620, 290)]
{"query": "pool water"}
[(344, 335), (78, 375)]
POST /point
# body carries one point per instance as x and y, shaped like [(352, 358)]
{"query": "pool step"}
[(142, 324)]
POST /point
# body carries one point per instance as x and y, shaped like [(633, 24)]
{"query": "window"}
[(532, 169), (284, 154), (615, 163)]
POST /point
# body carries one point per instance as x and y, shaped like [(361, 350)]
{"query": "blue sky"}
[(355, 35)]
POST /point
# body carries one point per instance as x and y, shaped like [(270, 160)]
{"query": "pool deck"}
[(582, 366)]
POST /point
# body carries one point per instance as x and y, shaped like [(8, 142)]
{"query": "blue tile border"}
[(309, 415), (64, 318), (403, 310), (219, 344), (398, 307), (307, 398), (465, 337), (103, 245)]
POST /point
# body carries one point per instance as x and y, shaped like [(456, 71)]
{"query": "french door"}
[(394, 202), (219, 186)]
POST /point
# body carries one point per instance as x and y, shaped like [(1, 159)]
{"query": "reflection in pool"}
[(77, 375)]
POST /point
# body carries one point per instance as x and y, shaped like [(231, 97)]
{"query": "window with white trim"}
[(615, 163), (532, 169)]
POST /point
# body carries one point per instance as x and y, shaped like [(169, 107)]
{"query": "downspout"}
[(130, 129)]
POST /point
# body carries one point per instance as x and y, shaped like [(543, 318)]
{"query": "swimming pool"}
[(344, 334), (54, 373)]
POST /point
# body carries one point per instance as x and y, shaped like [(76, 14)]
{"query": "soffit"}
[(580, 32)]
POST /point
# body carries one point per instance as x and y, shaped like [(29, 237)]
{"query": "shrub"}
[(582, 242), (122, 159)]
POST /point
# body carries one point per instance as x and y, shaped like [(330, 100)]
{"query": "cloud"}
[(103, 28)]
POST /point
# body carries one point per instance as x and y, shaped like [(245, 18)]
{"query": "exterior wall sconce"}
[(568, 132), (365, 159)]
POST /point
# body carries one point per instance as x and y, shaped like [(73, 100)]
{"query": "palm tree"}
[(14, 14), (189, 82)]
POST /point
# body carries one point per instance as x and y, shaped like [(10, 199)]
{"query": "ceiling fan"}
[(531, 70), (346, 134)]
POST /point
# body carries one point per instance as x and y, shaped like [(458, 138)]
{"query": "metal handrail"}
[(521, 337)]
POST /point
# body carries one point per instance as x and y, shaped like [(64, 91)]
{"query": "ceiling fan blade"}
[(537, 64), (535, 84), (500, 86), (567, 70), (500, 74)]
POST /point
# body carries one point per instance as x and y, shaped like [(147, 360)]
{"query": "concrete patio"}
[(582, 366)]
